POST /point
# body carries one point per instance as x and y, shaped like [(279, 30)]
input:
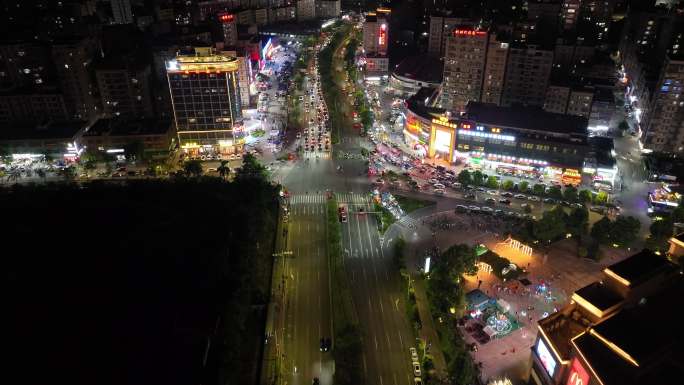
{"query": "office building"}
[(229, 30), (616, 331), (245, 73), (306, 10), (24, 64), (464, 63), (375, 42), (527, 74), (73, 58), (543, 11), (36, 106), (117, 135), (124, 86), (440, 29), (664, 128), (326, 9), (121, 10), (495, 70), (580, 101), (205, 96)]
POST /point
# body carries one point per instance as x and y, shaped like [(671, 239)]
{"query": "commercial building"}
[(418, 125), (326, 9), (245, 73), (205, 96), (527, 74), (617, 330), (375, 43), (115, 136), (664, 127), (414, 73), (51, 138), (121, 10), (523, 141), (570, 13), (32, 106), (124, 87), (464, 62)]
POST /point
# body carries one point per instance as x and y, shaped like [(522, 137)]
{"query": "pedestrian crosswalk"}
[(407, 221), (347, 198), (316, 154)]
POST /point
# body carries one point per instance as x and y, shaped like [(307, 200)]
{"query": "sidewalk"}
[(428, 332)]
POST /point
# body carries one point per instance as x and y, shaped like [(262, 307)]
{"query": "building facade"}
[(35, 107), (229, 30), (125, 90), (326, 9), (121, 10), (665, 127), (464, 63), (495, 70), (205, 96), (73, 59), (440, 29), (527, 75), (306, 10), (375, 43)]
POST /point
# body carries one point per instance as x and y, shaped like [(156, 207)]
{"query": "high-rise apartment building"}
[(327, 9), (570, 13), (464, 63), (306, 10), (24, 64), (121, 10), (72, 59), (664, 127), (375, 42), (124, 86), (228, 28), (495, 70), (527, 75), (440, 29), (205, 96)]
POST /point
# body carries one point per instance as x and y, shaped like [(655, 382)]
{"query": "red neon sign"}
[(382, 35), (227, 18), (578, 376), (468, 32)]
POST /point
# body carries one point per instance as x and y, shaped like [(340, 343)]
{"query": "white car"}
[(416, 369), (414, 354), (533, 198)]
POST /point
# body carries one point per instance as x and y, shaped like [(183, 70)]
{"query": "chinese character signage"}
[(578, 376)]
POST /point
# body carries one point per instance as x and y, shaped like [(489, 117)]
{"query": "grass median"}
[(348, 342)]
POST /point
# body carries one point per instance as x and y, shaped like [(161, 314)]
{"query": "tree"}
[(68, 173), (538, 189), (135, 151), (251, 169), (624, 230), (523, 186), (661, 230), (223, 169), (577, 221), (477, 178), (492, 182), (399, 258), (623, 126), (601, 230), (555, 193), (551, 226), (464, 177), (601, 198), (584, 196), (570, 194), (193, 168), (508, 185)]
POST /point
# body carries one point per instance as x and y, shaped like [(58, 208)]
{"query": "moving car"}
[(342, 212), (414, 354), (416, 369)]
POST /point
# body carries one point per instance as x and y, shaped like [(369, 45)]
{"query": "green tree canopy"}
[(477, 178), (551, 226), (601, 230), (577, 221), (193, 168), (538, 189), (508, 185), (464, 177), (601, 198), (570, 194), (250, 169), (492, 182), (624, 230), (555, 193), (584, 196)]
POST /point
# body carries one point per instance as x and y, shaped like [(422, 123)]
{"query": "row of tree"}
[(569, 193)]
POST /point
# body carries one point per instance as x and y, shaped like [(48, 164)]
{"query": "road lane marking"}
[(396, 304), (365, 367), (389, 345), (376, 342), (401, 341), (370, 307), (381, 308), (395, 378), (380, 380)]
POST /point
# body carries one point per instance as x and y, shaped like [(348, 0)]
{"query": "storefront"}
[(442, 139)]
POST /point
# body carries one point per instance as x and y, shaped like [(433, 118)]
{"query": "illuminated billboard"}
[(545, 357), (266, 52), (578, 376), (442, 141), (226, 17), (468, 32), (382, 36)]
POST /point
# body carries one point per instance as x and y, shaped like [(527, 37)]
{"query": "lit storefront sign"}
[(545, 357), (226, 18), (266, 52), (382, 36), (442, 141), (469, 32), (578, 376), (508, 138)]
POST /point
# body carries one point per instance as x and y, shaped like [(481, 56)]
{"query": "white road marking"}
[(401, 340), (376, 342), (380, 380), (381, 308), (389, 345), (395, 378)]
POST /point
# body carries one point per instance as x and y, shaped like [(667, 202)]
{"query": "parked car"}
[(520, 196)]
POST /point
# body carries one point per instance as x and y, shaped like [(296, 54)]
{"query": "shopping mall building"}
[(520, 141), (621, 330)]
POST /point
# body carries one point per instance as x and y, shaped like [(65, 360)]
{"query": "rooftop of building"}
[(529, 118), (421, 68), (640, 267), (421, 103), (30, 131), (300, 28), (599, 296), (641, 344), (560, 327), (123, 127)]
